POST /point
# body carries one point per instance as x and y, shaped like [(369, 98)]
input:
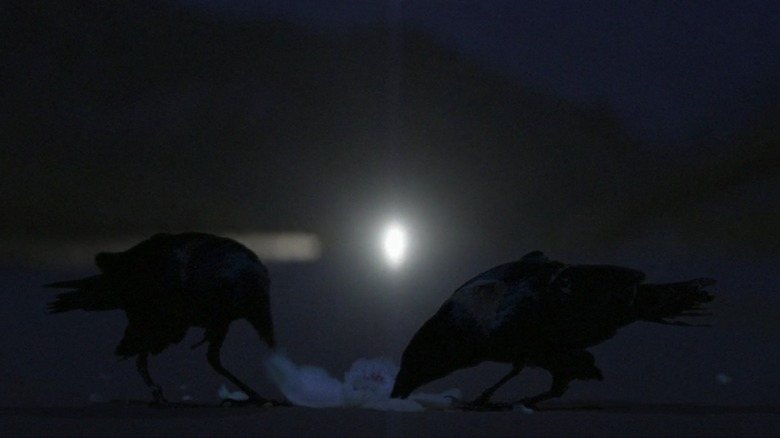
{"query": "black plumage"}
[(540, 313), (169, 283)]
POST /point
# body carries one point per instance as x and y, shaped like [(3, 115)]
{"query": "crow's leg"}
[(215, 339), (482, 403), (143, 369), (565, 366), (484, 398), (559, 386)]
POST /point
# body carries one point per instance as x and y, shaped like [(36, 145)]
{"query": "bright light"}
[(394, 244)]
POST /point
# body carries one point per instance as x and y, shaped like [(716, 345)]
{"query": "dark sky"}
[(671, 70), (217, 115)]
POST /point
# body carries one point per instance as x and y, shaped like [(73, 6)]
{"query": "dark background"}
[(643, 134)]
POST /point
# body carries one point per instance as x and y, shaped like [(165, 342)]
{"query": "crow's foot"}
[(487, 407), (480, 405), (528, 404), (259, 402), (158, 400)]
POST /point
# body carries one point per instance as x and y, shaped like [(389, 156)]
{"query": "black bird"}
[(540, 313), (169, 283)]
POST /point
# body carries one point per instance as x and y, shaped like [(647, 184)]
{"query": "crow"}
[(541, 313), (169, 283)]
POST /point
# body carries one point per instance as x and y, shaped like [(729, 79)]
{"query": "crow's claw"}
[(526, 403), (263, 403), (480, 406), (158, 400)]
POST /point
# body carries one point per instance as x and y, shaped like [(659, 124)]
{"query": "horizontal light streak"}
[(270, 247)]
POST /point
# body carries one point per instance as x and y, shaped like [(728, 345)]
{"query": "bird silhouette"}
[(539, 313), (169, 283)]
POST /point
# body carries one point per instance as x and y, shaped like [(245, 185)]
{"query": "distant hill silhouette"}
[(137, 116), (727, 193)]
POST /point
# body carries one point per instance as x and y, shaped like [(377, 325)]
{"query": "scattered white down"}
[(367, 384)]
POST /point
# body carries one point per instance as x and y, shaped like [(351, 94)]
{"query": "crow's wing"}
[(593, 286), (493, 297)]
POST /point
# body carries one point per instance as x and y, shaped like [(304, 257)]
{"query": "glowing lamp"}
[(395, 244)]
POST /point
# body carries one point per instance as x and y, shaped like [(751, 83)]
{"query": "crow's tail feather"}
[(660, 302), (90, 294)]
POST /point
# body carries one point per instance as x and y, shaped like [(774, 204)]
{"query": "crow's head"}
[(440, 347)]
